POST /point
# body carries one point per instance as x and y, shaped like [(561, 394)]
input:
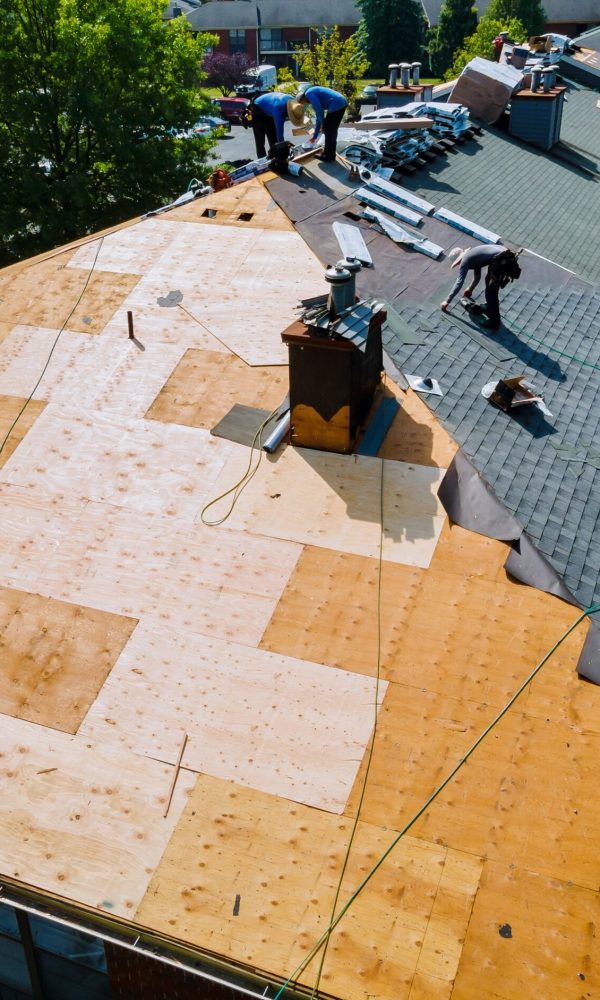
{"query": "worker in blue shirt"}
[(329, 107), (269, 113)]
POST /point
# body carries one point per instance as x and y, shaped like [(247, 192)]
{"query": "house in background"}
[(272, 30), (569, 18)]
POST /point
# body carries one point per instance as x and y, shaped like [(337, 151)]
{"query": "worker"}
[(502, 267), (268, 114), (329, 108)]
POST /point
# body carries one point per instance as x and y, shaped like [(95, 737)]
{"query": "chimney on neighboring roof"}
[(177, 11), (536, 114)]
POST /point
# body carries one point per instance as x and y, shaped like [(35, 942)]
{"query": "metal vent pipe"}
[(393, 68), (547, 79), (416, 72), (405, 73), (339, 279), (536, 78), (353, 265)]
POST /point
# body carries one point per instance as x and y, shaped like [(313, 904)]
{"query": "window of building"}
[(237, 40), (271, 40)]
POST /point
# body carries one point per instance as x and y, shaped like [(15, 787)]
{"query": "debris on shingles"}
[(554, 333)]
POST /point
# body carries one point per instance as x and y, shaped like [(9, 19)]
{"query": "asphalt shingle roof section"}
[(533, 199), (545, 470)]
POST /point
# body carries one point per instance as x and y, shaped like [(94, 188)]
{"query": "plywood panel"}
[(23, 285), (148, 466), (340, 504), (107, 372), (205, 385), (256, 718), (244, 285), (156, 324), (209, 581), (127, 251), (465, 553), (54, 657), (10, 410), (284, 862), (415, 435), (329, 611), (249, 198), (553, 950), (82, 301), (80, 821)]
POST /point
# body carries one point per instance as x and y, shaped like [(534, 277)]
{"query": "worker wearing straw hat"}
[(329, 108), (267, 115)]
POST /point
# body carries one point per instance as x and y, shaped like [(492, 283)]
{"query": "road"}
[(239, 145)]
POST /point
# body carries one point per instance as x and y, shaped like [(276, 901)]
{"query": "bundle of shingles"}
[(402, 146)]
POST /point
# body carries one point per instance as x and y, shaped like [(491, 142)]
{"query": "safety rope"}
[(56, 339), (463, 760)]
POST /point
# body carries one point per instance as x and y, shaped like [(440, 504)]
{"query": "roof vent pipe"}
[(553, 70), (416, 72), (393, 68), (547, 79), (339, 279), (536, 78), (353, 265), (405, 72)]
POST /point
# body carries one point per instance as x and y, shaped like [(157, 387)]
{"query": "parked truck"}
[(257, 80)]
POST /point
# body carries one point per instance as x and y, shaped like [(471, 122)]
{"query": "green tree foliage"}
[(529, 12), (334, 62), (88, 92), (391, 31), (458, 20), (480, 43)]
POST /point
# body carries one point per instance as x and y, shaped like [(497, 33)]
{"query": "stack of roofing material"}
[(449, 120), (389, 148)]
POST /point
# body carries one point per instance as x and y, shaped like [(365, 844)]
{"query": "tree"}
[(225, 71), (530, 13), (458, 20), (88, 88), (334, 62), (480, 43), (391, 31)]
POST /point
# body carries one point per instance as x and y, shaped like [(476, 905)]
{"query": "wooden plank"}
[(55, 657), (10, 411), (328, 611), (257, 718), (73, 297), (399, 124), (148, 466), (205, 385), (108, 372), (284, 862), (250, 198), (80, 821), (552, 950), (341, 503), (215, 582)]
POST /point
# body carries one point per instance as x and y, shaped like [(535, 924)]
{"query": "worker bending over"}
[(502, 267), (268, 116), (329, 108)]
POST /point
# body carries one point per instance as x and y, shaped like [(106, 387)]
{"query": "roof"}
[(336, 608), (557, 12), (273, 14)]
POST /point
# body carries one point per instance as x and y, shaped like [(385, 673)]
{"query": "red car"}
[(231, 108)]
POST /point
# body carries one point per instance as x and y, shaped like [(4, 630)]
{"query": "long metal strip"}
[(385, 205), (377, 183), (485, 235), (351, 242), (400, 235)]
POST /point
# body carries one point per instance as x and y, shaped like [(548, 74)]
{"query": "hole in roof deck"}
[(209, 213), (245, 216), (353, 216)]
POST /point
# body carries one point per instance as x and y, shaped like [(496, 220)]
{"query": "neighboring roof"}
[(557, 11), (273, 14), (584, 65)]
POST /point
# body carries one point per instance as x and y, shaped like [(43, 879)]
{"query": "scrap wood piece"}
[(175, 774), (381, 124)]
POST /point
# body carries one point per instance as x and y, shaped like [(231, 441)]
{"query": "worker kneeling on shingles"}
[(502, 267), (329, 107)]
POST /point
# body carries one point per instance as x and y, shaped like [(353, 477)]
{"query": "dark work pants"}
[(492, 305), (331, 124), (263, 127)]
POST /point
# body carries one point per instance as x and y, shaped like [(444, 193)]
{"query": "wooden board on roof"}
[(284, 862), (17, 416), (340, 502), (415, 435), (206, 385), (232, 206), (55, 657), (145, 465), (257, 718), (81, 821), (109, 372), (94, 554)]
